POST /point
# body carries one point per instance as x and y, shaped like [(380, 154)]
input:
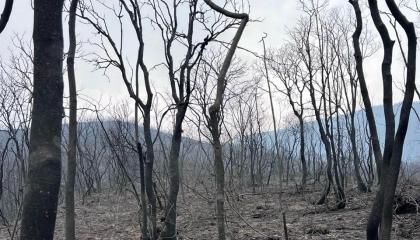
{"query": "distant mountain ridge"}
[(412, 140)]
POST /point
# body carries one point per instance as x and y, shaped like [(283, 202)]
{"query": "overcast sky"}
[(276, 17)]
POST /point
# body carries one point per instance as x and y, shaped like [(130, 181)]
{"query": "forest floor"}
[(249, 216)]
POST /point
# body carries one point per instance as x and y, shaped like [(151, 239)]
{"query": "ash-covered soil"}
[(250, 215)]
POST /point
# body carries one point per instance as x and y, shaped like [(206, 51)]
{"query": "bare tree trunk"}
[(302, 152), (220, 176), (376, 211), (356, 159), (363, 88), (324, 137), (4, 18), (144, 229), (70, 233), (44, 171), (133, 10), (329, 129), (392, 164), (273, 116), (252, 158), (170, 218), (381, 212), (144, 214), (149, 171), (215, 117)]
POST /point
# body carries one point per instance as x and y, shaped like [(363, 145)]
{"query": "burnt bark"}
[(377, 152), (381, 213), (5, 15), (392, 165), (44, 171), (375, 215), (215, 117), (170, 216), (70, 233)]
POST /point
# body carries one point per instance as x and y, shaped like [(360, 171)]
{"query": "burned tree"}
[(44, 171), (215, 113), (181, 77), (363, 87), (70, 228), (141, 72), (286, 67), (380, 218)]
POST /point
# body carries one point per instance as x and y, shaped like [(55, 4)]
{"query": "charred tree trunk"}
[(44, 172), (215, 117), (7, 11), (148, 176), (381, 213), (302, 153), (363, 88), (170, 216), (376, 211), (144, 215), (356, 159), (273, 116), (392, 164), (70, 233)]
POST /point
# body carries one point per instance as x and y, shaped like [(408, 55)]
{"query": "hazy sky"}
[(276, 17)]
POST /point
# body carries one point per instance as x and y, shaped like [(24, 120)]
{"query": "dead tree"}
[(15, 118), (70, 231), (313, 43), (241, 117), (286, 67), (182, 77), (276, 141), (44, 171), (363, 87), (376, 211), (133, 10), (392, 163), (347, 87), (350, 95), (381, 212), (215, 113), (329, 95), (91, 155)]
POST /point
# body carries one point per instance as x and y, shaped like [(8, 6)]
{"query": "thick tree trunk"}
[(220, 177), (390, 180), (44, 171), (70, 233), (170, 217), (376, 211)]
